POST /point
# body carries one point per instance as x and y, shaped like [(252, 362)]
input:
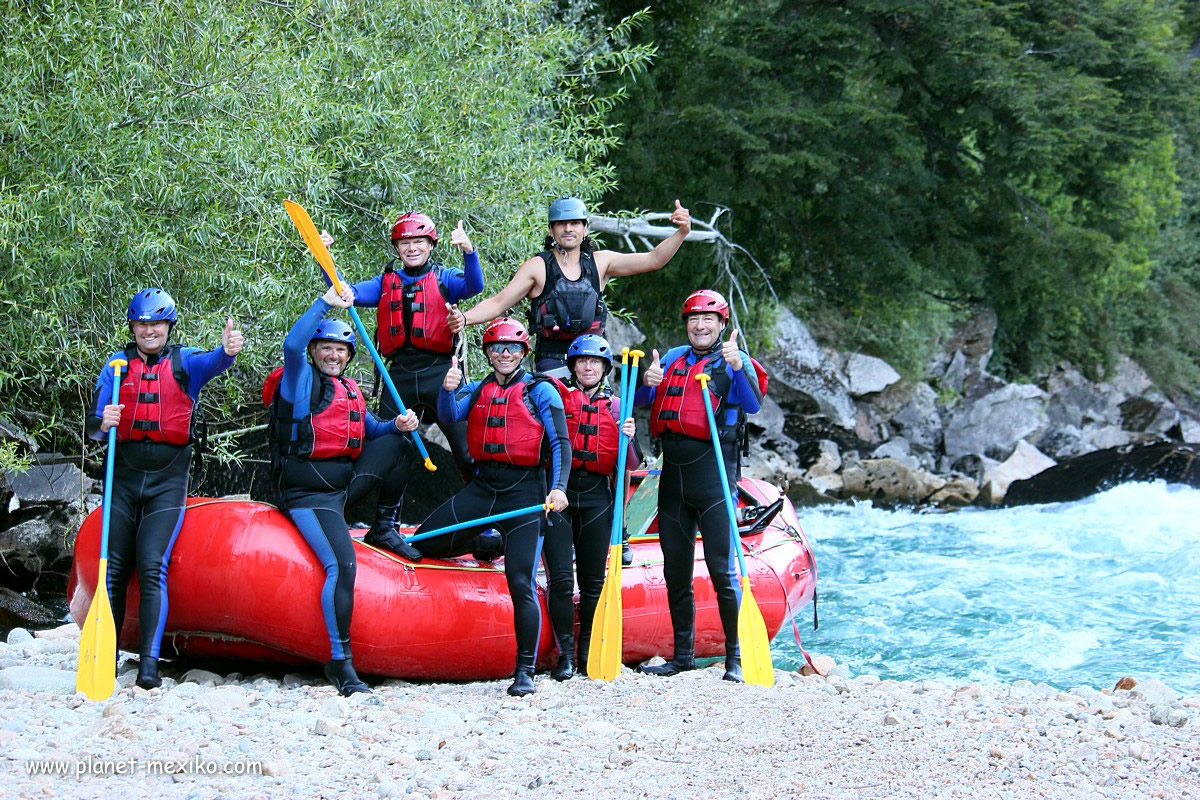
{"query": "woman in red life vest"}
[(690, 494), (328, 451), (413, 297), (515, 424), (583, 537), (565, 282), (152, 409)]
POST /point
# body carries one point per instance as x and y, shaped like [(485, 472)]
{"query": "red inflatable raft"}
[(244, 585)]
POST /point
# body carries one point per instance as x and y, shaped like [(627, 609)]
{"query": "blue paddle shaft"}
[(109, 460), (458, 526), (716, 440), (387, 379), (628, 379)]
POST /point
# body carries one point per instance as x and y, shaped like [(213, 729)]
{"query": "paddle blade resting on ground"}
[(604, 653), (753, 640), (97, 668)]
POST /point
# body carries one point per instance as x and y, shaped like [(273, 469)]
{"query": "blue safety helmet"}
[(565, 208), (589, 344), (151, 305), (334, 330)]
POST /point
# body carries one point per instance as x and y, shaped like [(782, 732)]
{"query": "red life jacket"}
[(679, 401), (157, 405), (595, 435), (414, 313), (335, 427), (501, 427)]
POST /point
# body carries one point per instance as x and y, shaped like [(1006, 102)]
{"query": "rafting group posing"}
[(549, 437)]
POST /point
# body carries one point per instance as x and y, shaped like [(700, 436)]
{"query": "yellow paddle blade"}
[(752, 638), (604, 654), (97, 667), (308, 232)]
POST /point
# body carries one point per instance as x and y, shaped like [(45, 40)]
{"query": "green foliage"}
[(893, 161), (152, 144)]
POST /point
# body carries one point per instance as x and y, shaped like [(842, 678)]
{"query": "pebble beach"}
[(209, 735)]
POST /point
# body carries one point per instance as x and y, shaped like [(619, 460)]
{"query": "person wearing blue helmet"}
[(327, 453), (153, 411), (565, 283), (594, 429)]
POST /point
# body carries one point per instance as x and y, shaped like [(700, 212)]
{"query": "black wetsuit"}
[(500, 487), (149, 493)]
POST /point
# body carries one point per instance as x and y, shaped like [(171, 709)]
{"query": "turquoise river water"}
[(1067, 593)]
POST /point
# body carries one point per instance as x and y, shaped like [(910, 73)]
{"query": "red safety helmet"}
[(413, 223), (706, 301), (506, 329)]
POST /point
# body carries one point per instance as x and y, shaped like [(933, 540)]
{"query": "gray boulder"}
[(993, 424), (798, 365), (868, 375)]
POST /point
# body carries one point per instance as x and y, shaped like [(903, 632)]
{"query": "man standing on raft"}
[(564, 283)]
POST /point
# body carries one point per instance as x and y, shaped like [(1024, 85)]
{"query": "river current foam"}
[(1065, 593)]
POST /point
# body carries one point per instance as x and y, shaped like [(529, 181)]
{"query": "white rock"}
[(202, 677), (326, 727), (1155, 693), (19, 636), (1177, 718), (1139, 750), (335, 708), (38, 679)]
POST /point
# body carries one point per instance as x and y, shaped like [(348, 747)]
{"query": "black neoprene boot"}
[(148, 673), (345, 680), (585, 641), (383, 534), (675, 666), (566, 659), (523, 678), (487, 546), (733, 667), (626, 550)]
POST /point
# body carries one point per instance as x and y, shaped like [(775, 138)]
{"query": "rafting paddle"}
[(604, 653), (752, 631), (458, 526), (308, 232), (96, 671)]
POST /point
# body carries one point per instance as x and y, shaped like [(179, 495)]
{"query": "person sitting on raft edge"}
[(327, 453)]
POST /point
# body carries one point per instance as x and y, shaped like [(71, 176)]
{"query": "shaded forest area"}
[(891, 165)]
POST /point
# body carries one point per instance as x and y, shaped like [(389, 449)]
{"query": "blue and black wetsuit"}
[(150, 479), (690, 496), (315, 492), (498, 487), (418, 372)]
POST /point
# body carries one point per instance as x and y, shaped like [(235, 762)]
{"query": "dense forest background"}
[(891, 166)]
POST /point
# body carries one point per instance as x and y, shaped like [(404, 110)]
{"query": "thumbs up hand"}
[(459, 239), (682, 218), (453, 377), (730, 352), (231, 340), (654, 373)]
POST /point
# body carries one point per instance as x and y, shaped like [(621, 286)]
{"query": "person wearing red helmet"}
[(327, 453), (153, 410), (565, 282), (412, 298), (515, 424), (690, 495)]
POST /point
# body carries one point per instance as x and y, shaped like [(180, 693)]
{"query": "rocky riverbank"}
[(242, 735)]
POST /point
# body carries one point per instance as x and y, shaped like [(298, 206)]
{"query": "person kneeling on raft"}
[(328, 452), (514, 423)]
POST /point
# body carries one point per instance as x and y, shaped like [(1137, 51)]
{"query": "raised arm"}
[(529, 278), (612, 264)]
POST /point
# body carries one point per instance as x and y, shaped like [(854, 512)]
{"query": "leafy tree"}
[(895, 162), (152, 144)]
